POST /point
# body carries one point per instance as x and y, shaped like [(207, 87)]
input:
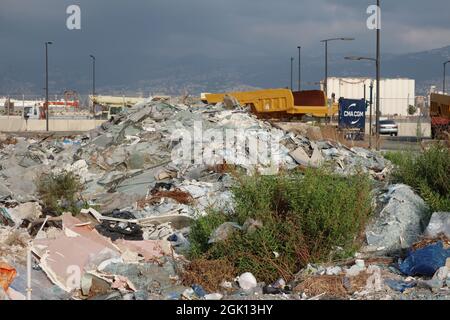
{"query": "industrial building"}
[(396, 94)]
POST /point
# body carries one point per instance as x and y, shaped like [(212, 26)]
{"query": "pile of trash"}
[(148, 172), (422, 273)]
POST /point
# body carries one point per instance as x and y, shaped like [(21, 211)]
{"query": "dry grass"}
[(333, 285), (316, 285), (358, 282), (7, 141), (426, 242), (208, 273)]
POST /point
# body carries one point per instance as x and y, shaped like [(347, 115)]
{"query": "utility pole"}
[(292, 73), (299, 67), (46, 84), (378, 74), (365, 98), (93, 85), (370, 115)]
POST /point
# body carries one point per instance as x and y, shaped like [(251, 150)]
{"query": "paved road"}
[(401, 143)]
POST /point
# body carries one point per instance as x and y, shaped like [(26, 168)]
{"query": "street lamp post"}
[(299, 67), (325, 86), (292, 73), (46, 83), (93, 85), (371, 86), (443, 84), (377, 117), (370, 115)]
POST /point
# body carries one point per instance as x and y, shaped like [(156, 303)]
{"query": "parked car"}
[(389, 127)]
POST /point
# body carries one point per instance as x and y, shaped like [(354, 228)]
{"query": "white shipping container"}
[(396, 94)]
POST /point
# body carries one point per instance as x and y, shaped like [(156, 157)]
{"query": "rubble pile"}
[(144, 185)]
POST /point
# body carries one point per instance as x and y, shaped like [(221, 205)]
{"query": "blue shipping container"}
[(352, 114)]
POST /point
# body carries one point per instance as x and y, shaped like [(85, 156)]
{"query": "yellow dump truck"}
[(279, 102)]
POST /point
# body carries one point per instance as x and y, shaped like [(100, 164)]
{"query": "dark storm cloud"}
[(130, 34), (221, 27)]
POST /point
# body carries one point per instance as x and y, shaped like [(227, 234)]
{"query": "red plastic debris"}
[(7, 275)]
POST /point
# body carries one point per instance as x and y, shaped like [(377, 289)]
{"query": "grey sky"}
[(222, 27), (134, 32)]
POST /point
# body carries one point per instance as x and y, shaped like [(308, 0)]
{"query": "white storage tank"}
[(396, 94)]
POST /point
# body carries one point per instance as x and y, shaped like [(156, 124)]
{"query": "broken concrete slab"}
[(302, 158), (156, 279), (137, 185), (29, 211), (103, 141), (150, 250), (5, 193), (439, 225), (401, 221), (63, 259), (111, 177)]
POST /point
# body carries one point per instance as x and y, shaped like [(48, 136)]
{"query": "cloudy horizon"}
[(136, 38)]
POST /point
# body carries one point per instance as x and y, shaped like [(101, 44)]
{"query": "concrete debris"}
[(302, 158), (62, 268), (153, 169), (27, 211), (150, 250), (230, 102), (354, 271), (86, 250), (333, 271), (375, 282), (439, 225), (400, 222), (13, 244), (437, 282)]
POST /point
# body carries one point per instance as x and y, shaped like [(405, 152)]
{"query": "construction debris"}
[(400, 222), (7, 275), (153, 169), (439, 225)]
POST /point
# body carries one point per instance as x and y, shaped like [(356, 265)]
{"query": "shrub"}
[(305, 218), (59, 192), (428, 173), (201, 231)]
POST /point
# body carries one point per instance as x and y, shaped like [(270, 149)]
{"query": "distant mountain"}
[(196, 74)]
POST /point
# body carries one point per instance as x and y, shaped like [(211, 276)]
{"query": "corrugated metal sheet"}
[(396, 94)]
